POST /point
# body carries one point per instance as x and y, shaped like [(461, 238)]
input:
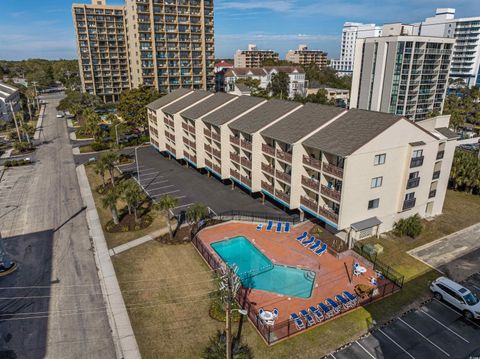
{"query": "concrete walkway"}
[(125, 343), (136, 242), (39, 127)]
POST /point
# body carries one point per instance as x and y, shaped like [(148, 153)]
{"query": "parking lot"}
[(435, 330), (160, 176)]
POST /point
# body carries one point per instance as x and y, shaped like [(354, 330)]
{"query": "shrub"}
[(411, 226), (99, 146)]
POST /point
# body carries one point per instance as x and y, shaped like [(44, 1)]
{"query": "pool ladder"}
[(309, 275)]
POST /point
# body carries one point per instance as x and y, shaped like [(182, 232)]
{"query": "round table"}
[(267, 317)]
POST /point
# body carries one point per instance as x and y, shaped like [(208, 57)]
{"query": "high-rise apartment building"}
[(304, 56), (350, 33), (102, 49), (466, 32), (401, 73), (163, 44), (253, 57)]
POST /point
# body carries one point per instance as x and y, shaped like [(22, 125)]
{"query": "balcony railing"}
[(267, 187), (235, 174), (332, 169), (311, 183), (216, 153), (309, 203), (215, 136), (246, 162), (324, 212), (246, 145), (413, 182), (416, 162), (436, 175), (246, 180), (409, 203), (269, 150), (440, 155), (235, 140), (284, 156), (330, 192), (191, 129), (283, 176), (208, 163), (235, 157), (208, 148), (267, 168), (312, 162), (282, 195), (184, 126), (217, 169), (207, 133), (432, 193)]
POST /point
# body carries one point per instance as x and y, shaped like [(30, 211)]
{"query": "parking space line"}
[(474, 286), (398, 345), (153, 174), (164, 181), (157, 188), (333, 356), (365, 350), (184, 205), (443, 325), (161, 194), (424, 337), (456, 311)]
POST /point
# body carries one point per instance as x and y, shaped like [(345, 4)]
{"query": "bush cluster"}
[(16, 163), (411, 226)]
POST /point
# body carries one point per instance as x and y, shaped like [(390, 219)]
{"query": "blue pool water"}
[(257, 271)]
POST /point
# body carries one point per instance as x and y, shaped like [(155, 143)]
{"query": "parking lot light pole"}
[(136, 161)]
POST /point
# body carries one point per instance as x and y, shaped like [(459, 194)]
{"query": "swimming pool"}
[(257, 271)]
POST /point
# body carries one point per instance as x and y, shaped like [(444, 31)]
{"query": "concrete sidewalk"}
[(125, 343), (39, 127)]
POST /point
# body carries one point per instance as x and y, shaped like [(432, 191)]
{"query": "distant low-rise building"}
[(8, 95), (304, 56), (220, 70), (253, 57), (340, 96)]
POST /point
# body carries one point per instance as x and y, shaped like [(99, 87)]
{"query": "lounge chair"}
[(287, 227), (275, 312), (334, 305), (307, 317), (308, 241), (315, 245), (269, 225), (352, 298), (302, 236), (298, 322), (260, 312), (316, 313), (345, 303), (259, 226), (279, 227), (326, 309), (321, 250)]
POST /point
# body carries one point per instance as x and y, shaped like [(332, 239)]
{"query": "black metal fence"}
[(251, 216)]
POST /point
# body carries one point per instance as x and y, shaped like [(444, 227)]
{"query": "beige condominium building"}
[(162, 44), (304, 56), (401, 73), (253, 57), (348, 168)]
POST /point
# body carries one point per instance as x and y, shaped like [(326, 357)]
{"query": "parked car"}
[(59, 115), (456, 295)]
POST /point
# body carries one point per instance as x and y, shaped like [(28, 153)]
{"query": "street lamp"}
[(116, 132)]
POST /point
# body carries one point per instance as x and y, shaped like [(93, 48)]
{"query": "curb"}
[(36, 136), (126, 346)]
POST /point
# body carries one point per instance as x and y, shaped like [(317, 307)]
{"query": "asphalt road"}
[(45, 231)]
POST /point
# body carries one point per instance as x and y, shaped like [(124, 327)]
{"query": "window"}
[(376, 182), (417, 153), (373, 203), (413, 175), (379, 159)]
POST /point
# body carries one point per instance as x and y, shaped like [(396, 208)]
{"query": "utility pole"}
[(230, 283), (34, 83), (15, 120)]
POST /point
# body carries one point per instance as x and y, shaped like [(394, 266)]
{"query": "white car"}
[(59, 115), (457, 295)]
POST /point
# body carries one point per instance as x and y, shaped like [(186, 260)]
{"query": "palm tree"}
[(167, 203), (110, 159), (197, 212), (133, 196), (100, 170), (110, 201)]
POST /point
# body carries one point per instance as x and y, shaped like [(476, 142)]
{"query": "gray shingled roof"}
[(260, 117), (186, 101), (351, 131), (6, 90), (232, 110), (302, 122), (165, 100), (447, 133), (207, 106), (366, 223)]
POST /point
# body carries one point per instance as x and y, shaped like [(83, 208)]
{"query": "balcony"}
[(216, 136), (235, 174), (184, 126), (267, 187), (309, 203), (217, 169), (235, 140), (235, 157), (208, 163), (436, 175), (328, 214), (191, 129), (246, 145), (432, 193), (284, 156), (333, 170), (312, 162), (269, 169), (413, 182), (207, 133), (440, 155), (282, 196), (246, 162), (216, 153), (416, 162), (269, 150), (285, 177), (208, 148), (331, 193), (310, 183), (246, 180), (409, 203)]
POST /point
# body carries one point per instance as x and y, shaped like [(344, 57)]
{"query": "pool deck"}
[(282, 248)]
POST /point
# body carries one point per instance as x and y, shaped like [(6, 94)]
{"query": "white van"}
[(457, 295)]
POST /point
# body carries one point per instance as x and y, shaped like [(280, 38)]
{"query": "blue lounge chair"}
[(286, 229), (279, 227), (307, 317), (345, 303), (298, 322), (316, 313), (325, 308), (352, 298), (321, 250), (315, 245), (275, 312), (308, 241), (259, 226), (334, 305), (302, 236), (269, 225)]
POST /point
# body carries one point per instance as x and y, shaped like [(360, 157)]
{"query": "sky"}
[(44, 28)]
